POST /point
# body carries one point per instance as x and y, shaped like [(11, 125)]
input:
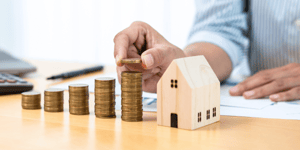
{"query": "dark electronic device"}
[(12, 65), (10, 84)]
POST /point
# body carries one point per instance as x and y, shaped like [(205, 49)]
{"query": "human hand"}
[(140, 40), (280, 84)]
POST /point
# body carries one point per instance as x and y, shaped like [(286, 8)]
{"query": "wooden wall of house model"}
[(188, 94)]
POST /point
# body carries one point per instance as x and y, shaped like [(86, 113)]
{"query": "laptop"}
[(12, 65)]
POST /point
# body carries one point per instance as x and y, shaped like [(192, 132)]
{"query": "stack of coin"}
[(131, 86), (105, 97), (79, 99), (31, 100), (54, 100)]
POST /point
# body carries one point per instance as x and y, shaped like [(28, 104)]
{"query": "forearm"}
[(216, 57)]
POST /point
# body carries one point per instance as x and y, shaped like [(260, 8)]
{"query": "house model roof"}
[(196, 71)]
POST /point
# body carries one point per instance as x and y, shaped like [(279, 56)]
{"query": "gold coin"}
[(127, 115), (132, 120), (31, 101), (131, 60), (105, 107), (132, 73), (54, 92), (79, 108), (79, 112), (54, 104), (130, 103), (31, 108), (77, 105), (31, 105), (80, 94), (104, 91), (53, 109), (53, 99), (112, 116), (31, 93), (77, 97)]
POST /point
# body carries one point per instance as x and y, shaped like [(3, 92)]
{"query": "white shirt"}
[(274, 28)]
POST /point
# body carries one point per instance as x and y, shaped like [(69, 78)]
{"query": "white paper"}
[(276, 111), (239, 101)]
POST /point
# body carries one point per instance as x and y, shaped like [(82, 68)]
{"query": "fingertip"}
[(147, 60), (245, 97), (118, 60), (249, 94), (274, 97), (234, 91)]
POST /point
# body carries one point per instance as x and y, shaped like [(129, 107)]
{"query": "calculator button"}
[(2, 81), (11, 81)]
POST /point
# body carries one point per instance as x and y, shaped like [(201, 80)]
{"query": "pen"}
[(76, 73)]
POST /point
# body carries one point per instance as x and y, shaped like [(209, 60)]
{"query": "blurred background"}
[(83, 30)]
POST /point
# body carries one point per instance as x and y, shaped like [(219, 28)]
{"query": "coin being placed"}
[(131, 61)]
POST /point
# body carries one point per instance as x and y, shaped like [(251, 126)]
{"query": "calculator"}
[(10, 84)]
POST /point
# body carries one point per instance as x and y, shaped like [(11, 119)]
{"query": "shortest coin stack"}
[(79, 99), (54, 100), (31, 100)]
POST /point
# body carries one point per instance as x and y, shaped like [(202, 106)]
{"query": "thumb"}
[(153, 57)]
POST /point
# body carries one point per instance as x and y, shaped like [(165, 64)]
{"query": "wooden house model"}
[(188, 94)]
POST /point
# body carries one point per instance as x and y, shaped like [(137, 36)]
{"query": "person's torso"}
[(275, 33)]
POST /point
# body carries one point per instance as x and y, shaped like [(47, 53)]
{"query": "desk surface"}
[(36, 129)]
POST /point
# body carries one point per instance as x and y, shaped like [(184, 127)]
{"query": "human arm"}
[(218, 33)]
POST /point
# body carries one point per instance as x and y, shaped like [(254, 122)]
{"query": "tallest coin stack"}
[(131, 86)]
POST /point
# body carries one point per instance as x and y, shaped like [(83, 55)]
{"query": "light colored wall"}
[(83, 30)]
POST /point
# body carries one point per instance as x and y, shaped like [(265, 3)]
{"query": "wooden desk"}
[(36, 129)]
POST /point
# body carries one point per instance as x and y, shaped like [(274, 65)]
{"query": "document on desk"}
[(240, 102), (230, 106)]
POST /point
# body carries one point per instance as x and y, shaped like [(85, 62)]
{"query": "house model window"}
[(199, 117), (174, 83), (214, 112), (207, 114)]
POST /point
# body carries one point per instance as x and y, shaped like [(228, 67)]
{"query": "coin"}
[(79, 112), (26, 101), (54, 92), (53, 104), (78, 86), (131, 61), (31, 93), (28, 107), (133, 119), (54, 109)]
